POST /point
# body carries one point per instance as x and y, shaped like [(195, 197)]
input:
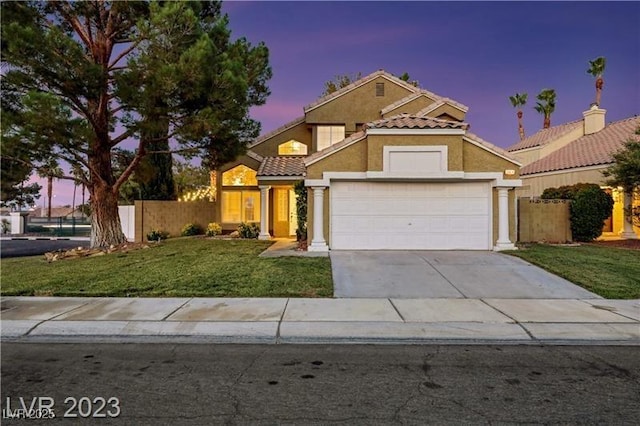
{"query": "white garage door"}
[(425, 216)]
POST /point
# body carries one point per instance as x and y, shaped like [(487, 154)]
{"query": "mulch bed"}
[(624, 244)]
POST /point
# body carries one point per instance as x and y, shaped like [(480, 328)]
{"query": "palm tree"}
[(50, 170), (546, 105), (596, 69), (518, 101)]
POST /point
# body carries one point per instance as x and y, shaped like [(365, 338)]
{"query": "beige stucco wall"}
[(376, 143), (533, 186), (357, 106), (300, 132), (172, 216), (366, 155), (477, 159)]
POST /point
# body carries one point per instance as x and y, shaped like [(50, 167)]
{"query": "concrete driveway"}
[(445, 274)]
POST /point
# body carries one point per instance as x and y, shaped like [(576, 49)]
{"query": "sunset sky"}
[(477, 53)]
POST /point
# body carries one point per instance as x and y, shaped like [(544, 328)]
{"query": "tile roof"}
[(491, 147), (430, 108), (407, 121), (405, 100), (282, 166), (544, 136), (280, 129), (590, 150)]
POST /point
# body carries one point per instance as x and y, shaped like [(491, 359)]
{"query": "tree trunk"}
[(520, 126), (106, 229), (73, 202), (599, 86), (547, 122), (49, 195)]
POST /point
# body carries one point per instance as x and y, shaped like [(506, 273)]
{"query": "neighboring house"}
[(387, 166), (56, 212), (576, 152)]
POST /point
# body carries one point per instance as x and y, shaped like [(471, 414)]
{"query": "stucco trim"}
[(254, 155), (415, 131), (496, 178), (388, 150)]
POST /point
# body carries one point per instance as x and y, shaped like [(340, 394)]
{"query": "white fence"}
[(128, 221)]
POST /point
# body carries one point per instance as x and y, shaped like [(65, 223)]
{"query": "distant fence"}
[(543, 220), (58, 226), (169, 216)]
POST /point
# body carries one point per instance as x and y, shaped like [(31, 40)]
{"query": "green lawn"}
[(610, 272), (181, 267)]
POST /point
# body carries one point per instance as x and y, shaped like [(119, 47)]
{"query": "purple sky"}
[(477, 53)]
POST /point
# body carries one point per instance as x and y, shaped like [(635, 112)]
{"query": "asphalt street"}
[(167, 384), (17, 248)]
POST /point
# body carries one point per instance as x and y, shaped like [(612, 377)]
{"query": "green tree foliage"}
[(625, 172), (596, 69), (189, 178), (340, 81), (590, 207), (546, 105), (518, 101), (87, 76), (301, 210)]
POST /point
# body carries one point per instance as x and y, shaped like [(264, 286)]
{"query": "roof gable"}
[(545, 136), (589, 150)]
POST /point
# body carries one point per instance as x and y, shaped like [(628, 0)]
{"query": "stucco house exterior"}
[(578, 152), (387, 166)]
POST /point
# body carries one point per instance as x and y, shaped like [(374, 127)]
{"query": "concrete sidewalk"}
[(281, 320)]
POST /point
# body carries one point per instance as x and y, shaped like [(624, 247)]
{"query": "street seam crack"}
[(280, 322), (442, 275), (397, 311), (531, 336), (176, 309)]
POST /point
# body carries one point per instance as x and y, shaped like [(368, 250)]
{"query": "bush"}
[(248, 230), (567, 192), (191, 229), (590, 207), (301, 210), (157, 235), (213, 229)]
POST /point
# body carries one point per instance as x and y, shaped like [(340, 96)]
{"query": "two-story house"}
[(387, 166)]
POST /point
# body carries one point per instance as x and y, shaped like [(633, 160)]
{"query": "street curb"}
[(45, 238)]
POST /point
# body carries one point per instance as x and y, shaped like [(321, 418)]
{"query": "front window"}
[(293, 147), (240, 176), (329, 135), (240, 206)]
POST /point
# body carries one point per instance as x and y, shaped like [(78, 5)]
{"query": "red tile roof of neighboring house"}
[(544, 136), (282, 166), (590, 150), (407, 121)]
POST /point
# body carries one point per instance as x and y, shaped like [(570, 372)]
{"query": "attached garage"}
[(411, 215)]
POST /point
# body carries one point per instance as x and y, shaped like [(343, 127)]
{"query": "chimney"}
[(593, 120)]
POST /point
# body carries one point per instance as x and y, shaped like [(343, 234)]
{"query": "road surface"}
[(166, 384)]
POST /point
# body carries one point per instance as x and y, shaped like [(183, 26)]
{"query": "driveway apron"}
[(445, 274)]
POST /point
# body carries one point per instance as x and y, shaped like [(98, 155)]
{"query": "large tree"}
[(518, 101), (546, 105), (596, 69), (130, 71), (625, 172)]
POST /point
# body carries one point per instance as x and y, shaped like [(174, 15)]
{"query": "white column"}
[(627, 226), (18, 222), (318, 243), (264, 213), (503, 243)]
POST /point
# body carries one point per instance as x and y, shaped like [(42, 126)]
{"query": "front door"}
[(285, 218)]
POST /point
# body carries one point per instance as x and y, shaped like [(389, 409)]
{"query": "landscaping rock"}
[(80, 252)]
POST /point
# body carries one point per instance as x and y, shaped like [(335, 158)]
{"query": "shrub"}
[(191, 229), (566, 192), (590, 207), (213, 229), (301, 210), (157, 235), (248, 230)]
